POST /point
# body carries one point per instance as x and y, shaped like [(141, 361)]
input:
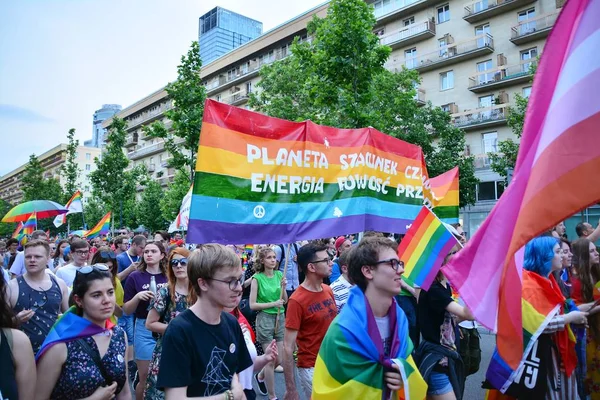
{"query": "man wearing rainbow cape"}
[(366, 353)]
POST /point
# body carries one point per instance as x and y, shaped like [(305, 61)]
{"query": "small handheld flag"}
[(30, 225), (17, 230), (74, 205)]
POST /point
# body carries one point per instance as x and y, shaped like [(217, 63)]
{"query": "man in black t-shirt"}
[(203, 347)]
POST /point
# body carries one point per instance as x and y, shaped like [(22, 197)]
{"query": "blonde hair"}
[(261, 254), (204, 262)]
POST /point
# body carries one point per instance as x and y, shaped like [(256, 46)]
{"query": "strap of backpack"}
[(96, 358)]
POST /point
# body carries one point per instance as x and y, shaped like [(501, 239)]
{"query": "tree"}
[(94, 211), (148, 211), (339, 79), (33, 180), (188, 95), (170, 202), (70, 171), (112, 184), (6, 229)]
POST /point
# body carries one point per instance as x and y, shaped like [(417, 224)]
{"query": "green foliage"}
[(6, 229), (148, 209), (188, 95), (70, 170), (94, 210), (339, 79), (170, 203)]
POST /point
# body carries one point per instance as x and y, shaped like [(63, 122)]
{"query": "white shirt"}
[(341, 290), (246, 375), (67, 274)]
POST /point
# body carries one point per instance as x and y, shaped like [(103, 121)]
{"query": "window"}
[(88, 167), (379, 5), (442, 43), (409, 21), (88, 156), (249, 87), (447, 80), (445, 108), (410, 57), (380, 32), (443, 14), (218, 97), (480, 6), (483, 77), (486, 101), (483, 31), (489, 190), (529, 54), (490, 142), (527, 92), (525, 25)]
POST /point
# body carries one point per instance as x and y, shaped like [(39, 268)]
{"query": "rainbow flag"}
[(71, 327), (74, 205), (561, 123), (17, 231), (30, 225), (101, 228), (424, 247), (265, 180), (446, 201), (350, 363)]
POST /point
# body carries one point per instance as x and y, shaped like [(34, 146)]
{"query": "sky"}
[(60, 60)]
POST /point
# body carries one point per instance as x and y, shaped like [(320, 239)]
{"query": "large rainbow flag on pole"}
[(266, 180), (101, 228), (424, 247), (17, 230), (30, 225), (445, 197), (556, 175), (350, 363), (74, 205)]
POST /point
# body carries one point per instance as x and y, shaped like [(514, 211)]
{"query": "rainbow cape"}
[(350, 364), (538, 306), (29, 225), (444, 189), (424, 247), (101, 228), (71, 327)]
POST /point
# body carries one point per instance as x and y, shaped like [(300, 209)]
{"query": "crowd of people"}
[(149, 317)]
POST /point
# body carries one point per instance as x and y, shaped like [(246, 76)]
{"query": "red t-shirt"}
[(576, 292), (310, 313)]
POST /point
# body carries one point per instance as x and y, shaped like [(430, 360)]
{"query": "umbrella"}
[(80, 232), (42, 208)]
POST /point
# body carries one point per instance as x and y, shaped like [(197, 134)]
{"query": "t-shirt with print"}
[(383, 326), (341, 291), (310, 313), (435, 323), (201, 356), (139, 281)]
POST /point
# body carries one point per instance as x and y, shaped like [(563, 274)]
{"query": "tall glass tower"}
[(107, 111), (221, 31)]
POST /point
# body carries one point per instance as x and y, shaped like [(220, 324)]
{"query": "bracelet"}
[(228, 395)]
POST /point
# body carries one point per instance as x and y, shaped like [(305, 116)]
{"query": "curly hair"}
[(143, 266), (183, 252), (261, 254)]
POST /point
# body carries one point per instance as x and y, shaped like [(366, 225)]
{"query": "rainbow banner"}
[(266, 180), (561, 123), (74, 205), (424, 247), (351, 364), (445, 199), (17, 231), (30, 225), (71, 327), (101, 228)]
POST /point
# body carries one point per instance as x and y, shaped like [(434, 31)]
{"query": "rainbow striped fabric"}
[(265, 180), (17, 231), (444, 189), (71, 327), (74, 205), (30, 225), (424, 247), (350, 363), (101, 228), (561, 124)]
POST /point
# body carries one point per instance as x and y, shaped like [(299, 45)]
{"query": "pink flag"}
[(557, 174)]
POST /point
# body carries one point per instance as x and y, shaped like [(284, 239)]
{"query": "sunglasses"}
[(179, 262), (89, 268)]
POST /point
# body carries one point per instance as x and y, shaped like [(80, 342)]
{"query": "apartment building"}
[(473, 59), (52, 160)]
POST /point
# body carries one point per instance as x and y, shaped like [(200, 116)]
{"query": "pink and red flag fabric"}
[(556, 175)]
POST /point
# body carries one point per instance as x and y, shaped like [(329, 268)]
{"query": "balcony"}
[(151, 168), (482, 161), (237, 98), (484, 9), (409, 35), (165, 180), (420, 97), (132, 140), (452, 53), (480, 118), (533, 29), (148, 116), (399, 8), (146, 151), (503, 76)]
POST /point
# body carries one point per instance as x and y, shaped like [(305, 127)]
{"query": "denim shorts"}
[(126, 322), (143, 341), (439, 384)]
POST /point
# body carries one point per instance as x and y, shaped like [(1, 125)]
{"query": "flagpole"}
[(82, 216)]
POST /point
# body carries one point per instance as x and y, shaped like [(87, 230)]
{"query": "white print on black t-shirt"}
[(146, 286), (214, 378), (529, 369)]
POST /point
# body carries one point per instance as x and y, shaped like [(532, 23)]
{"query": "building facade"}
[(221, 31), (473, 59), (52, 160), (101, 115)]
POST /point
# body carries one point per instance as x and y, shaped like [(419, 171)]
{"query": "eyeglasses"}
[(89, 268), (108, 254), (326, 259), (82, 253), (179, 262), (394, 263), (233, 283)]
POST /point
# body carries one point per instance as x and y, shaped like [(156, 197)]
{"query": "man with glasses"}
[(195, 365), (80, 251), (121, 244), (311, 308), (18, 267), (37, 297)]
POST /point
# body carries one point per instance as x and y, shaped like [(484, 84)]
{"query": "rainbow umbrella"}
[(42, 208), (80, 232)]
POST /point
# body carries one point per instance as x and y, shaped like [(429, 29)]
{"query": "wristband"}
[(228, 395)]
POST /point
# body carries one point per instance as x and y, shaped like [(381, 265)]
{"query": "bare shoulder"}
[(55, 355), (20, 341)]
